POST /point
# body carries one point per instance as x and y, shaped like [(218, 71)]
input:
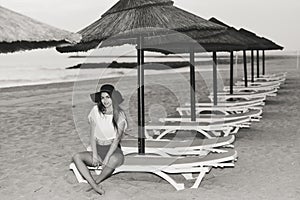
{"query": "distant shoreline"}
[(172, 64)]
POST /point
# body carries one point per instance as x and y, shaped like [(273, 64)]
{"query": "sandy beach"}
[(39, 136)]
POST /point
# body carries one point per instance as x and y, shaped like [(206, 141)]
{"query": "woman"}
[(108, 123)]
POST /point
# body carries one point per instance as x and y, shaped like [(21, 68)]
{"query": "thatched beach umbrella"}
[(270, 46), (250, 43), (265, 45), (19, 32), (223, 41), (243, 40), (128, 15)]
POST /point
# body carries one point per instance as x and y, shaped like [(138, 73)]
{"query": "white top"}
[(104, 128)]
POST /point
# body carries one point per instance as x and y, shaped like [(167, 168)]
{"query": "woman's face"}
[(106, 100)]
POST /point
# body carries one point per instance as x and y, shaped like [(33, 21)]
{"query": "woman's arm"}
[(96, 158), (116, 141)]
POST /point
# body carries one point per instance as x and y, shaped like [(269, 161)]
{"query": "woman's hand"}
[(96, 161)]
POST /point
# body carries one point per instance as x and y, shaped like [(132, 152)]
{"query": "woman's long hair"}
[(116, 110)]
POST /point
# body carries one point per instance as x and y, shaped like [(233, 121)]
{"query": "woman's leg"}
[(81, 161), (116, 159)]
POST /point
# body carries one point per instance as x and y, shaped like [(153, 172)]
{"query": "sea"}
[(44, 66)]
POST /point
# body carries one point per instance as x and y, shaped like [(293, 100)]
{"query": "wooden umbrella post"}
[(245, 68), (252, 66), (263, 62), (192, 84), (257, 61), (231, 72), (141, 107), (215, 78)]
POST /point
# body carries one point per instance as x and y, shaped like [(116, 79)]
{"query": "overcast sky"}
[(277, 20)]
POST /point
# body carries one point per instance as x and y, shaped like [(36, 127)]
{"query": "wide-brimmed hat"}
[(110, 89)]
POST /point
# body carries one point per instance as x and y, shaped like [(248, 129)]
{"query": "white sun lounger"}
[(235, 102), (245, 95), (167, 148), (240, 108), (165, 166), (209, 130), (258, 83), (254, 94), (255, 115), (252, 88), (274, 76), (280, 74), (270, 79), (178, 148)]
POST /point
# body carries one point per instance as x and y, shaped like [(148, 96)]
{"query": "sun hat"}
[(110, 89)]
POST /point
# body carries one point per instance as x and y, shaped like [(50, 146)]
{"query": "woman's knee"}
[(76, 157), (116, 159), (80, 156)]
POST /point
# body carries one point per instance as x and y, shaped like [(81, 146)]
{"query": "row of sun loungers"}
[(195, 157)]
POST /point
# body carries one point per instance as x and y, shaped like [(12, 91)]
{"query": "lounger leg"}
[(147, 135), (217, 133), (228, 131), (188, 176), (163, 134), (200, 177), (180, 112), (178, 186), (235, 130), (204, 133)]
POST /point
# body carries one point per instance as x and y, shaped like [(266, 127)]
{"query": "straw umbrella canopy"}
[(266, 45), (19, 32), (128, 15), (271, 46), (253, 42), (225, 40), (250, 43), (209, 41)]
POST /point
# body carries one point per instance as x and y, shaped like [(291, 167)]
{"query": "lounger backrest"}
[(209, 159), (214, 142)]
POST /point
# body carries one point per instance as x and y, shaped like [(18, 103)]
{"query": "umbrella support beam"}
[(231, 72), (263, 62), (141, 102), (257, 61), (252, 66), (215, 79), (245, 68), (192, 85)]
